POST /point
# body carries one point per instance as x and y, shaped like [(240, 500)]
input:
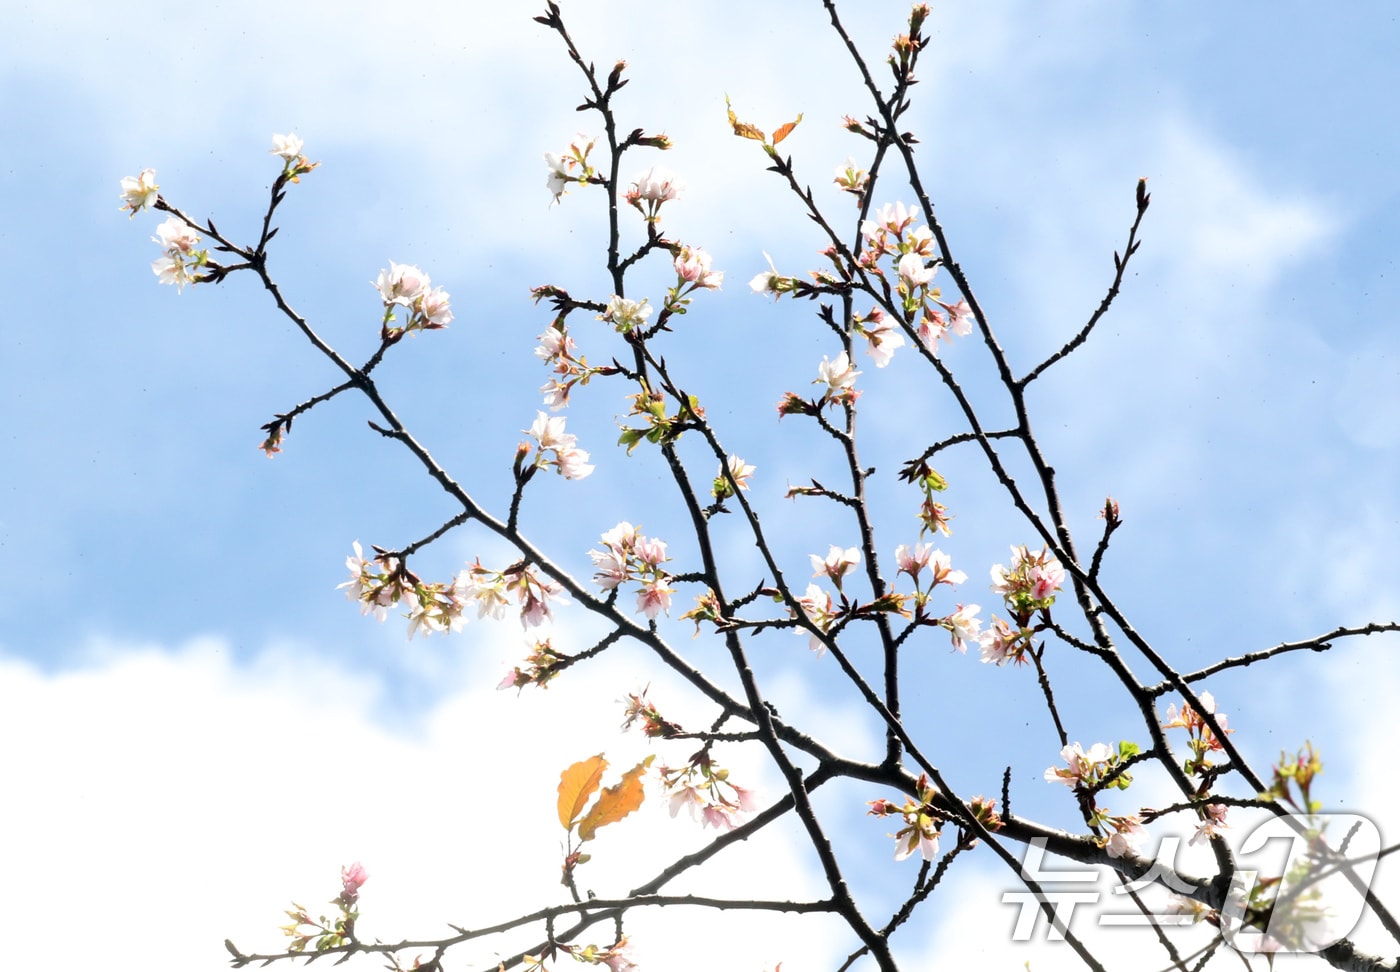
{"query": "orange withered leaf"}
[(786, 130), (576, 785), (616, 802)]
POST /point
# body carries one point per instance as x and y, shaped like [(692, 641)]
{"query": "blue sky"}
[(201, 728)]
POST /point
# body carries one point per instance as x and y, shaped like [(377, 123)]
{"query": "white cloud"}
[(164, 800)]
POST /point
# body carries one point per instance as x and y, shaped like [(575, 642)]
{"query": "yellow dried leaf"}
[(743, 129), (576, 786), (616, 802)]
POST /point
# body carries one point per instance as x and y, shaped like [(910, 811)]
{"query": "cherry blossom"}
[(1082, 767), (911, 560), (656, 185), (1214, 821), (840, 379), (913, 272), (817, 605), (626, 314), (920, 832), (654, 597), (1030, 583), (693, 266), (287, 146), (139, 191), (179, 240), (962, 317), (569, 461), (836, 564), (563, 166), (401, 284), (770, 281), (1002, 643), (705, 790), (626, 555), (964, 625), (739, 471), (434, 307), (851, 178), (883, 338), (351, 879), (176, 235), (1128, 836)]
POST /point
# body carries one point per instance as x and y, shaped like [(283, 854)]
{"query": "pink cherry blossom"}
[(884, 339), (962, 318), (401, 284), (1214, 821), (1080, 765), (351, 879), (654, 597), (693, 266), (434, 307), (612, 568), (836, 564), (1001, 643), (816, 604), (573, 463), (176, 236), (1128, 836), (911, 560), (964, 625)]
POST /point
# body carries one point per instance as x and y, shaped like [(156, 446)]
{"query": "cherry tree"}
[(872, 598)]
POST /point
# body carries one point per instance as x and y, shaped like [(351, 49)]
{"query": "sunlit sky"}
[(198, 728)]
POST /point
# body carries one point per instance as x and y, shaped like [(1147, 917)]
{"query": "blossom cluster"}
[(540, 667), (1203, 739), (652, 189), (557, 350), (1096, 768), (180, 241), (624, 314), (617, 957), (641, 710), (1202, 742), (626, 556), (406, 286), (325, 932), (920, 557), (890, 232), (382, 582), (1028, 585), (703, 787), (694, 272), (557, 448), (921, 822), (693, 268)]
